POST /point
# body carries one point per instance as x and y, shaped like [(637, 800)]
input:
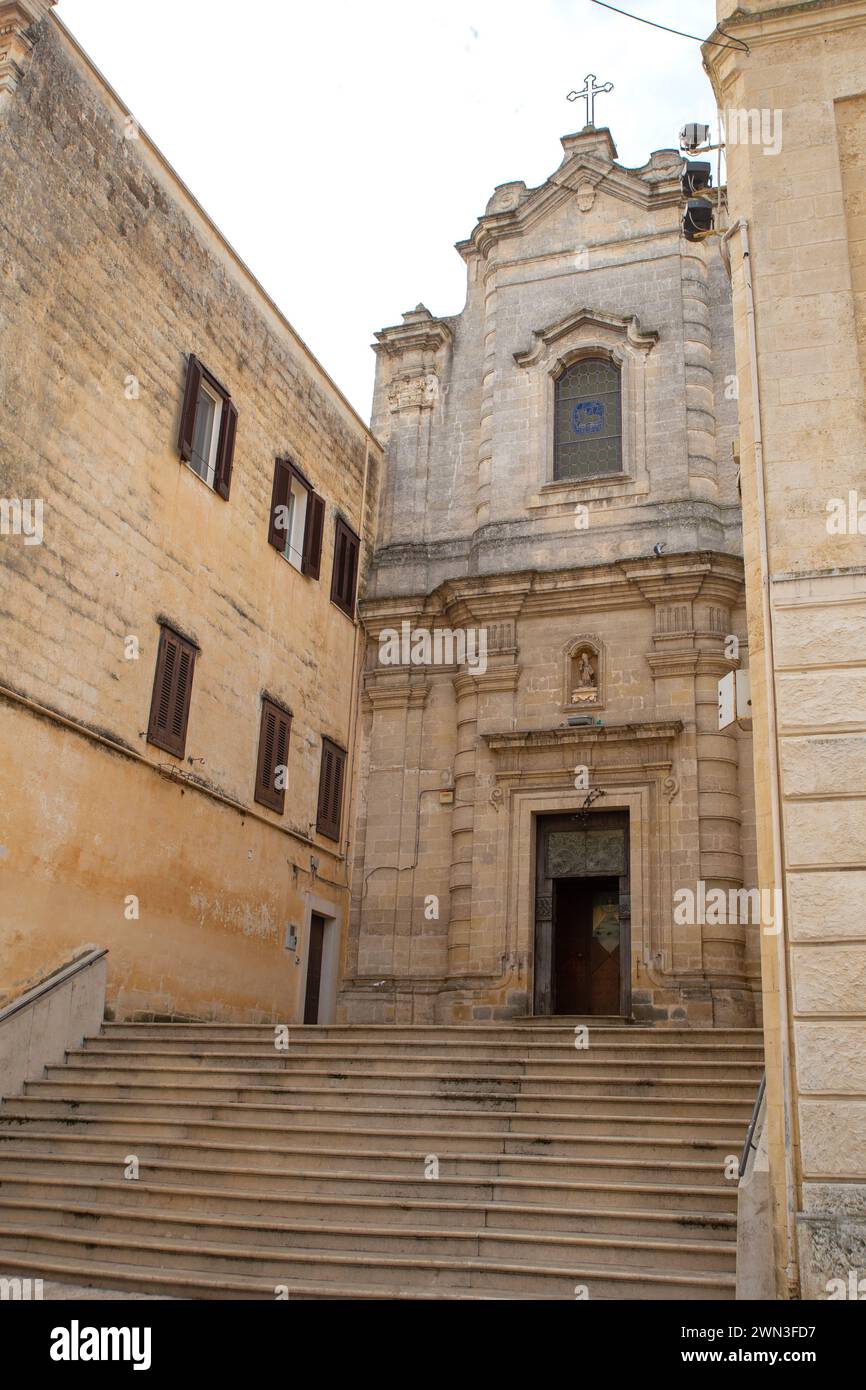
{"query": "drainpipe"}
[(792, 1267), (351, 735)]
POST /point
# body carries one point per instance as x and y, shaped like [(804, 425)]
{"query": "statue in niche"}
[(584, 678)]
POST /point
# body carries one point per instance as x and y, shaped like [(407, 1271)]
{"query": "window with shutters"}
[(172, 690), (272, 771), (297, 519), (331, 778), (588, 419), (344, 580), (208, 425)]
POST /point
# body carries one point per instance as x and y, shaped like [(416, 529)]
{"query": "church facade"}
[(546, 804)]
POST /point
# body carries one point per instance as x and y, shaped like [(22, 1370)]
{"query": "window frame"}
[(265, 793), (218, 468), (565, 369), (341, 598), (330, 825), (166, 689), (209, 475), (287, 475)]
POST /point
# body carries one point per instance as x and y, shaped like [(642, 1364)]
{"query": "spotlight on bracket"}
[(696, 177), (697, 219), (693, 135)]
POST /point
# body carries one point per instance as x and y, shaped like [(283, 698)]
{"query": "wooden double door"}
[(582, 917)]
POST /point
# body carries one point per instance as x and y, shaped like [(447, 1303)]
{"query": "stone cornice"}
[(805, 21), (481, 599), (408, 690), (652, 732), (504, 678), (419, 332), (801, 16), (676, 663), (593, 319), (682, 578)]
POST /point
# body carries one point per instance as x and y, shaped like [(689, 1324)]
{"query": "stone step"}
[(651, 1123), (386, 1033), (271, 1240), (95, 1272), (232, 1050), (358, 1211), (571, 1066), (505, 1158), (426, 1138), (192, 1083), (383, 1270), (517, 1101), (311, 1168), (565, 1189)]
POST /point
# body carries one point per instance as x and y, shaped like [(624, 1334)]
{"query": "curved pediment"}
[(593, 323), (588, 168)]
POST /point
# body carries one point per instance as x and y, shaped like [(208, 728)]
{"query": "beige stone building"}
[(631, 465), (797, 214), (559, 497), (186, 497)]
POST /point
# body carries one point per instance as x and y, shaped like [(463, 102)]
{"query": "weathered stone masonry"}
[(474, 532), (110, 272)]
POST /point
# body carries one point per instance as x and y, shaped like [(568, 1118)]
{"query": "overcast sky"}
[(344, 146)]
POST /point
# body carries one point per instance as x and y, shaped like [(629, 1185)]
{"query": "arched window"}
[(588, 419)]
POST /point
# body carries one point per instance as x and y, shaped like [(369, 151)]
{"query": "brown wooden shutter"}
[(331, 779), (313, 530), (280, 498), (172, 692), (344, 578), (226, 451), (190, 401), (273, 754)]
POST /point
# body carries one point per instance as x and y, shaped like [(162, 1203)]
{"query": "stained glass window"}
[(588, 419)]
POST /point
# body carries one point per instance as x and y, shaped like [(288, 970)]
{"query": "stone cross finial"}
[(588, 94)]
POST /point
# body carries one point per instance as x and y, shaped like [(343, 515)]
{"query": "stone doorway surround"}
[(580, 829), (633, 765)]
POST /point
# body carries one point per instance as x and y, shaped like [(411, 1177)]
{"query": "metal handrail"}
[(61, 976), (750, 1132)]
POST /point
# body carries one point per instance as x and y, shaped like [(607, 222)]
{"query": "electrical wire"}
[(737, 43)]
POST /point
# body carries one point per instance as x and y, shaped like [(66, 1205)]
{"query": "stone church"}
[(560, 502)]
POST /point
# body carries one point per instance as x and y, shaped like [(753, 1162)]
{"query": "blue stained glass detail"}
[(587, 417)]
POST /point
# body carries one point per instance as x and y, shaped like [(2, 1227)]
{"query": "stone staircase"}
[(307, 1173)]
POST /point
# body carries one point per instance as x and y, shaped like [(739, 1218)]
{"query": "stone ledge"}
[(651, 732)]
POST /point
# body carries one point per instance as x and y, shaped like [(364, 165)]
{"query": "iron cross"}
[(589, 94)]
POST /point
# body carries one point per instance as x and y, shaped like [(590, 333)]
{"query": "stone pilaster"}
[(413, 363), (462, 824), (698, 362)]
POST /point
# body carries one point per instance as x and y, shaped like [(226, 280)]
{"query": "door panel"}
[(314, 968), (586, 946)]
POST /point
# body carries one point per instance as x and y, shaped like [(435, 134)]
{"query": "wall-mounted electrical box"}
[(735, 700)]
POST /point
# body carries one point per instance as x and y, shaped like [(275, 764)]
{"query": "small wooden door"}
[(586, 946), (314, 968), (582, 915)]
